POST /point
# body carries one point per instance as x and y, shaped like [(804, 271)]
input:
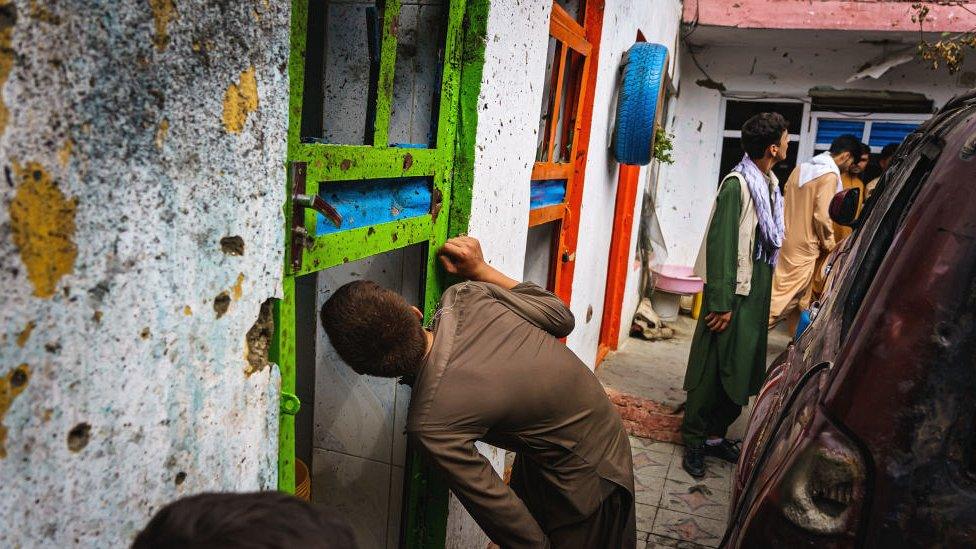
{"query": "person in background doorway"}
[(884, 160), (871, 171), (851, 178), (809, 230), (727, 363), (259, 520), (492, 369)]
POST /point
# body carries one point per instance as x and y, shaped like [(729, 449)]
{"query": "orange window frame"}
[(584, 40)]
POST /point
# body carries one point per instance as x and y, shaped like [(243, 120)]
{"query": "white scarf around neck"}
[(817, 166)]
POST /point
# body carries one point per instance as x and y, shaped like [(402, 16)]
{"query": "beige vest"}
[(748, 219)]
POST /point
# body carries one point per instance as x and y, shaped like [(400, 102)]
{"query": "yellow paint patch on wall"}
[(25, 334), (6, 62), (64, 155), (238, 288), (41, 13), (42, 220), (163, 12), (11, 385), (161, 132), (240, 100)]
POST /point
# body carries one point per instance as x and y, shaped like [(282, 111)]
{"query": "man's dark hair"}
[(374, 330), (871, 171), (888, 150), (259, 520), (847, 143), (761, 131)]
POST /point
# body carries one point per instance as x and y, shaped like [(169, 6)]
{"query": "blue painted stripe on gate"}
[(374, 201), (546, 193)]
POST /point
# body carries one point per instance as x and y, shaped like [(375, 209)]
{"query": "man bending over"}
[(492, 368)]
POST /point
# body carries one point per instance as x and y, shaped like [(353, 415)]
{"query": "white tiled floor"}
[(673, 509)]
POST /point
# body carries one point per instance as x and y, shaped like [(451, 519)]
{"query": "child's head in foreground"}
[(259, 520), (374, 330)]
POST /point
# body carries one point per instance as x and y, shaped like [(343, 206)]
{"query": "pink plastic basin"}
[(677, 279)]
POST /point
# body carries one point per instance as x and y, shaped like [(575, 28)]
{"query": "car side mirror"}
[(843, 207)]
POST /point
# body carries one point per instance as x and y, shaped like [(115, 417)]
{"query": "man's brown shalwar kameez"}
[(497, 373)]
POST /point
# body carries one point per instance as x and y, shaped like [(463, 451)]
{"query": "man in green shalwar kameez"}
[(727, 363)]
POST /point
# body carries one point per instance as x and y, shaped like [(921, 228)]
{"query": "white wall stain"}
[(148, 225)]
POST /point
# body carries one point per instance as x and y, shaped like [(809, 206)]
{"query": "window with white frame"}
[(736, 112), (875, 129)]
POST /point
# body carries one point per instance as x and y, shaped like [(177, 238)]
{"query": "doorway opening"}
[(374, 145), (350, 429)]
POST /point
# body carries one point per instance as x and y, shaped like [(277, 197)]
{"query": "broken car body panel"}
[(864, 432)]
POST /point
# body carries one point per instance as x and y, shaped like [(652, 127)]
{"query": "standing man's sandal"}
[(694, 461), (725, 450)]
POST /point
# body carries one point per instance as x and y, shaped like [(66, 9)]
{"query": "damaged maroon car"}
[(864, 433)]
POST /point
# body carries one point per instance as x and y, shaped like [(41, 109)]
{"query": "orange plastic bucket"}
[(303, 481)]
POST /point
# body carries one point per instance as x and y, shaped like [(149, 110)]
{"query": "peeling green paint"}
[(347, 162), (384, 85), (282, 353), (472, 65), (355, 244)]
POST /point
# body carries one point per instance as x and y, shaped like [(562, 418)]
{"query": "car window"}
[(878, 227), (881, 229)]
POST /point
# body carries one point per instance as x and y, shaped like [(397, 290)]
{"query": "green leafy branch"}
[(950, 50), (663, 145)]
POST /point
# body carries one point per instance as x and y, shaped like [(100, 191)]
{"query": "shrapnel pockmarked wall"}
[(142, 149)]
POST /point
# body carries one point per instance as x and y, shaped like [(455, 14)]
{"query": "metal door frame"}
[(313, 165)]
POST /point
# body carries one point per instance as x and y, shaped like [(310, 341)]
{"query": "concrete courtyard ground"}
[(673, 509)]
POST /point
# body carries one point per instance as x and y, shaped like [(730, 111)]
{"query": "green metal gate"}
[(317, 236)]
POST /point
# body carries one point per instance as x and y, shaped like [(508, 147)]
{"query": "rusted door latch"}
[(319, 204), (297, 172)]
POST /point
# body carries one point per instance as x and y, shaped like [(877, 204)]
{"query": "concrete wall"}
[(135, 137), (776, 64), (658, 21)]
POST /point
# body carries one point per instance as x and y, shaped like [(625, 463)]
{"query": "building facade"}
[(161, 273), (831, 67)]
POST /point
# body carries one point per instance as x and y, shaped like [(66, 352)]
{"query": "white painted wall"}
[(115, 121), (658, 21), (773, 62)]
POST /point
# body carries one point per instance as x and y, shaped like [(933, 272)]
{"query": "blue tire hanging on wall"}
[(645, 65)]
